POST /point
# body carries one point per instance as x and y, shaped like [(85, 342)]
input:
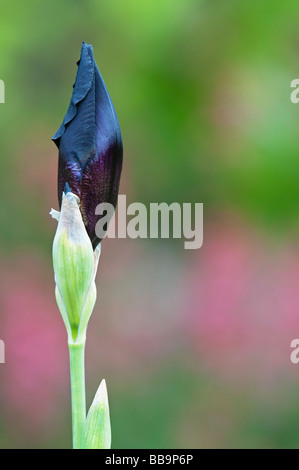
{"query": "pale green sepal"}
[(87, 311), (73, 260), (97, 429), (63, 312)]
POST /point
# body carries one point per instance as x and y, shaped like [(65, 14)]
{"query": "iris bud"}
[(90, 144)]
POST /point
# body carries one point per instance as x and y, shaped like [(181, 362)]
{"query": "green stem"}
[(76, 351)]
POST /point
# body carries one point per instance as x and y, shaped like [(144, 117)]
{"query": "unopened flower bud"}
[(90, 144)]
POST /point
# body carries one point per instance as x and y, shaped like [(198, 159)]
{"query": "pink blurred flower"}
[(243, 308), (35, 370)]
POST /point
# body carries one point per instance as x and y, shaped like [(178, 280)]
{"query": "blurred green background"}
[(194, 344)]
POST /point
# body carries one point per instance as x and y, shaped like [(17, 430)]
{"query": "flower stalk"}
[(77, 370), (89, 169), (75, 266)]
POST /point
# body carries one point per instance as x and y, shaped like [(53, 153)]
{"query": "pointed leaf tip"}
[(97, 430)]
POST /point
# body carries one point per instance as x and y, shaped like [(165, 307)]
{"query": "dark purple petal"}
[(90, 143)]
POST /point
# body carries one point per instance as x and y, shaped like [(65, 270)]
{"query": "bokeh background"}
[(194, 344)]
